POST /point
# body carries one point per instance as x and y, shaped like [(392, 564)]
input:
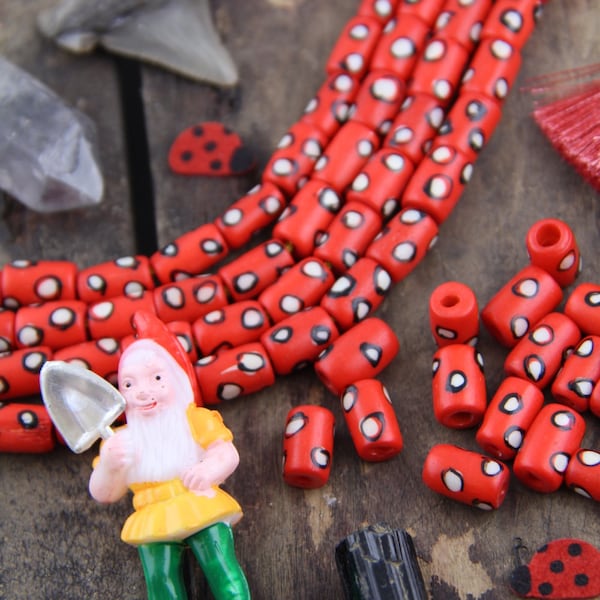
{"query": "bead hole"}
[(548, 235), (462, 419), (450, 301)]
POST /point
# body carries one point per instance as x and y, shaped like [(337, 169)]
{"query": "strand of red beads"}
[(359, 187)]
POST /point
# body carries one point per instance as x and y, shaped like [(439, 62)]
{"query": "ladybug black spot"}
[(574, 549), (186, 155), (210, 146), (557, 566), (581, 579), (545, 589), (215, 165), (198, 131)]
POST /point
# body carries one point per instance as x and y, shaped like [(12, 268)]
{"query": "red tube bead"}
[(232, 325), (403, 242), (380, 183), (415, 127), (360, 353), (357, 294), (458, 386), (551, 245), (353, 49), (346, 155), (426, 10), (297, 152), (184, 334), (553, 437), (508, 416), (583, 473), (538, 356), (466, 476), (308, 446), (348, 236), (382, 10), (301, 286), (25, 428), (525, 299), (248, 275), (307, 216), (595, 400), (101, 356), (492, 70), (233, 373), (454, 314), (55, 324), (251, 214), (189, 299), (371, 420), (20, 371), (190, 254), (7, 330), (297, 341), (26, 282), (113, 318), (583, 306), (462, 21), (512, 20), (574, 383)]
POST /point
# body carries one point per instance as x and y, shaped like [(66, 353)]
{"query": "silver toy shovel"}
[(81, 404)]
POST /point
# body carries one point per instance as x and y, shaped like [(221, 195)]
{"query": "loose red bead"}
[(539, 355), (20, 371), (371, 420), (552, 246), (26, 282), (512, 20), (114, 318), (125, 276), (583, 306), (297, 341), (462, 21), (552, 439), (251, 214), (360, 353), (301, 286), (7, 330), (191, 254), (574, 383), (233, 373), (525, 299), (25, 428), (454, 314), (458, 386), (348, 236), (382, 10), (426, 10), (100, 356), (248, 275), (583, 473), (357, 294), (508, 417), (403, 242), (308, 446), (232, 325), (466, 476)]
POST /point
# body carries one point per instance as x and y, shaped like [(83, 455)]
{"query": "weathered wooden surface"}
[(55, 542)]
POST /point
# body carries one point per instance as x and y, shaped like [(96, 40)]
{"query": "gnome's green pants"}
[(213, 548)]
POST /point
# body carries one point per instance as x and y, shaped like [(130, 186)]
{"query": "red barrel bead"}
[(371, 420), (574, 383), (508, 417), (189, 299), (595, 400), (512, 20), (251, 214), (248, 275), (346, 155), (426, 10), (357, 294), (191, 254), (462, 21), (466, 476), (583, 306), (458, 386), (20, 371), (492, 70), (553, 437), (583, 473), (359, 353), (403, 242), (101, 356), (25, 428), (380, 183), (454, 314), (297, 152), (525, 299), (113, 318), (125, 276), (232, 325), (308, 446), (185, 336), (297, 341), (26, 282), (7, 330), (301, 286), (55, 324), (382, 10), (539, 355), (353, 49), (307, 216), (348, 236), (552, 246)]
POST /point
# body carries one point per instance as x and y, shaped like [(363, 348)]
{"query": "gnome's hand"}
[(218, 462)]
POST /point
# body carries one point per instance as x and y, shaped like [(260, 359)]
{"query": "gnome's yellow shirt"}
[(168, 511)]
